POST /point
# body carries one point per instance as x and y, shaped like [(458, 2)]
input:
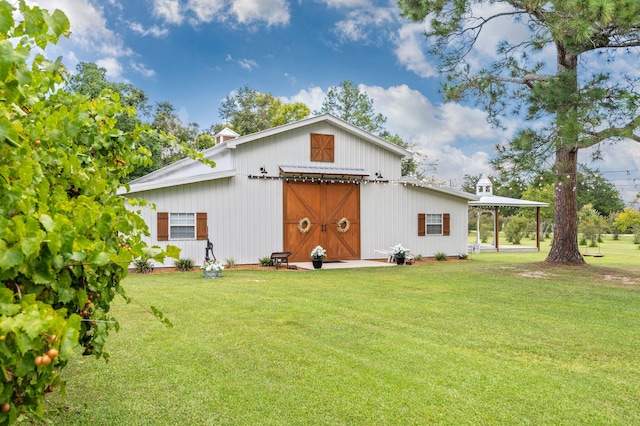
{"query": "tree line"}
[(245, 111)]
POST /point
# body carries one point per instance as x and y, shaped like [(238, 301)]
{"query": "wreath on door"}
[(304, 225), (343, 225)]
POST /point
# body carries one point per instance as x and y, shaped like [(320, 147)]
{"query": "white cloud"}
[(248, 64), (437, 130), (312, 97), (205, 10), (346, 3), (113, 67), (410, 47), (364, 24), (142, 69), (169, 10), (153, 31), (273, 12)]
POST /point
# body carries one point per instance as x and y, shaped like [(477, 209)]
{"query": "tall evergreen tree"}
[(580, 105), (348, 103)]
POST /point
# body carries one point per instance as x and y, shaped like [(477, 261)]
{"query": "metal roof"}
[(321, 171), (405, 180), (497, 201)]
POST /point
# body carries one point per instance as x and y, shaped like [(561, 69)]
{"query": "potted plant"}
[(317, 254), (212, 269), (399, 253)]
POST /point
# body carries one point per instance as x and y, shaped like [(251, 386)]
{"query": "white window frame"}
[(179, 224), (435, 220)]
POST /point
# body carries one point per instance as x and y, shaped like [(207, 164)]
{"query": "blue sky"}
[(194, 53)]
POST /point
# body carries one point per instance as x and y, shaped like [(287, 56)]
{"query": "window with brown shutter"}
[(434, 224), (163, 226), (182, 226), (421, 225), (446, 228), (201, 226), (322, 148)]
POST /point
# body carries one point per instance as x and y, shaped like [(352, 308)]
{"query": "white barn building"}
[(318, 181)]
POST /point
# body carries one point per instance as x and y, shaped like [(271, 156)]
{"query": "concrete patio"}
[(345, 264)]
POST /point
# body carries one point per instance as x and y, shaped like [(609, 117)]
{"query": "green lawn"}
[(497, 339)]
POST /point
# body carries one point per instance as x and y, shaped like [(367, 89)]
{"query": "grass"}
[(497, 339)]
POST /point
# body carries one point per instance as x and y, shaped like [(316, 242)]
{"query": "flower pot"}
[(317, 263), (399, 260), (212, 274)]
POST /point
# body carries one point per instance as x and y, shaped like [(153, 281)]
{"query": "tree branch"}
[(527, 80), (625, 132)]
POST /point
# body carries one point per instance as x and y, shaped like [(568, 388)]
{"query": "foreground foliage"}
[(66, 238)]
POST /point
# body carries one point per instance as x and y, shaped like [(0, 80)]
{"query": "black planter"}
[(399, 260), (317, 263)]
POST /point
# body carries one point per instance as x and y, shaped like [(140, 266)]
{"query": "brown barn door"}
[(326, 214)]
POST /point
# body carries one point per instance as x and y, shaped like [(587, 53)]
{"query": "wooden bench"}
[(280, 257)]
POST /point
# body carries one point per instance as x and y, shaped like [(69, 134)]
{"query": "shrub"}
[(441, 256), (266, 261), (583, 241), (463, 256), (230, 263), (143, 266), (418, 257), (515, 229), (184, 265)]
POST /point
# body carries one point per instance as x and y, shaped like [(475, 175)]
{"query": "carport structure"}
[(484, 190)]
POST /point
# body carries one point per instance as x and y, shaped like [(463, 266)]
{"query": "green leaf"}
[(7, 57), (65, 293), (152, 252), (30, 245), (7, 305), (173, 252), (69, 338), (43, 274), (47, 222), (78, 256), (32, 323), (101, 259), (11, 257), (6, 17), (7, 132), (82, 296), (59, 23)]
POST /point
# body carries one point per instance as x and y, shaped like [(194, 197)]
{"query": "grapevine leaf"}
[(11, 257), (101, 259), (47, 222)]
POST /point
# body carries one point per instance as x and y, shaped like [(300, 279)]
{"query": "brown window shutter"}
[(422, 227), (163, 226), (201, 226), (446, 224), (322, 148)]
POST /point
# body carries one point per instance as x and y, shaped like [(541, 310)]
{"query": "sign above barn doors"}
[(326, 214)]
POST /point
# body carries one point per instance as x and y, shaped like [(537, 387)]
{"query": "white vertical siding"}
[(244, 217), (389, 215), (293, 148)]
